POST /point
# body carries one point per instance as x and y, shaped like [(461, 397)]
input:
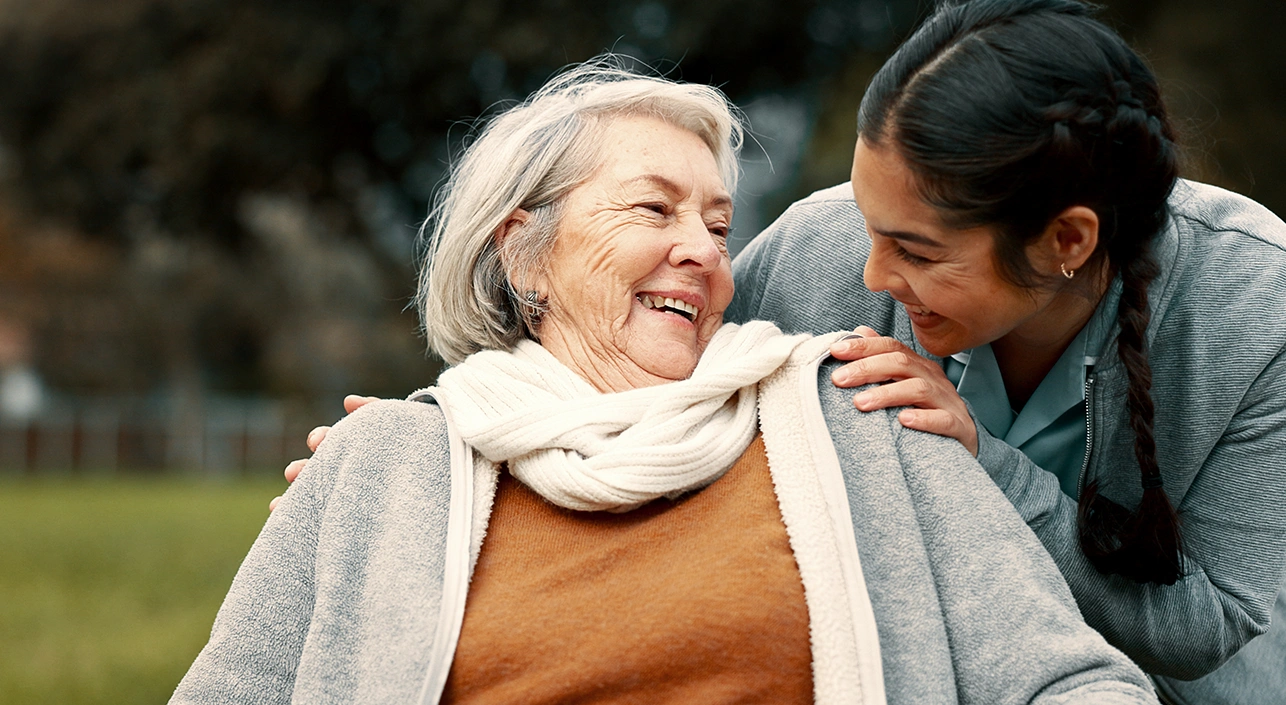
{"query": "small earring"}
[(1066, 273), (534, 307)]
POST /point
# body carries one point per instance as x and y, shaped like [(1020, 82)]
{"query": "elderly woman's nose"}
[(695, 243)]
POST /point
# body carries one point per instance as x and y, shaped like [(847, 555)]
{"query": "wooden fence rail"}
[(215, 437)]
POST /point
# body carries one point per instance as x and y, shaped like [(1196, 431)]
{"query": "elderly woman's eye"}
[(658, 208)]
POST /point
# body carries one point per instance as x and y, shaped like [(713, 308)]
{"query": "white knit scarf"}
[(586, 450)]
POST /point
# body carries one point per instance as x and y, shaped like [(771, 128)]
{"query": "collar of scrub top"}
[(1061, 389)]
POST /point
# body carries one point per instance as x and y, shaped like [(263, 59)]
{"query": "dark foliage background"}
[(204, 197)]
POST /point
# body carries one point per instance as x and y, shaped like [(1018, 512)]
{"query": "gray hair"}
[(471, 293)]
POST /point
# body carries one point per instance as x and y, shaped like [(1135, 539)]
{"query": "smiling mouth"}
[(677, 306)]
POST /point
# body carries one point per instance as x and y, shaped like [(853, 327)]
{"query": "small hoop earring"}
[(1065, 272)]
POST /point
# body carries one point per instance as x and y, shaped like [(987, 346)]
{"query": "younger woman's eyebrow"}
[(909, 237)]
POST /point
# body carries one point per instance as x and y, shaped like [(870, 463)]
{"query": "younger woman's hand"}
[(906, 378), (352, 403)]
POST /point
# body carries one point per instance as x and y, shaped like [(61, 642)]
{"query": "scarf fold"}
[(589, 451)]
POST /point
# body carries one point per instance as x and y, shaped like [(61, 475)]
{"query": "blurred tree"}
[(257, 169), (1223, 66), (241, 181), (165, 112)]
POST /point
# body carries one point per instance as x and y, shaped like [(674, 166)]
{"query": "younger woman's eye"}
[(909, 256), (901, 252)]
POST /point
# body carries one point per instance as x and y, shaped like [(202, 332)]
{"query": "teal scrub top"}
[(1050, 428)]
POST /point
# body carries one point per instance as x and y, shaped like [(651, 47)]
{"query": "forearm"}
[(1004, 600), (1183, 630)]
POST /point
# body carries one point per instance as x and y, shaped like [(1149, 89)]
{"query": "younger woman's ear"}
[(1072, 237)]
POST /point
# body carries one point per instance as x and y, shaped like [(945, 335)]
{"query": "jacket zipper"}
[(1089, 431)]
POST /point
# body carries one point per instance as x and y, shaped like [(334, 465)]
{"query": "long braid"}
[(1133, 316), (1144, 545)]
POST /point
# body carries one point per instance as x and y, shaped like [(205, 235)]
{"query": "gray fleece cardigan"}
[(923, 584), (1217, 340)]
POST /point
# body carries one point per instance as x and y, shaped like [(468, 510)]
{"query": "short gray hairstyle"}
[(471, 294)]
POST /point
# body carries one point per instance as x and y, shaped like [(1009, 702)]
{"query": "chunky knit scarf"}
[(586, 450)]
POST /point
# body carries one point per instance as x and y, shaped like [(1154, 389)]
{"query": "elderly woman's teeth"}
[(663, 303)]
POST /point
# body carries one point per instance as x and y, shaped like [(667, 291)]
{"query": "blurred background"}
[(208, 227)]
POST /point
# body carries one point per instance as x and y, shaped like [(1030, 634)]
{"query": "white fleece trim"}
[(869, 662), (458, 560), (486, 477), (814, 506), (805, 470)]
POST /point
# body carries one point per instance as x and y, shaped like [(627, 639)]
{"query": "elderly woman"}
[(613, 496)]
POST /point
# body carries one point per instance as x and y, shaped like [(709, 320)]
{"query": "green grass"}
[(108, 588)]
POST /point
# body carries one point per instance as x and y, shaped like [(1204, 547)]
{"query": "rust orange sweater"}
[(693, 600)]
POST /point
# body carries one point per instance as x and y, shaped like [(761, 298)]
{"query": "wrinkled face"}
[(639, 275), (947, 278)]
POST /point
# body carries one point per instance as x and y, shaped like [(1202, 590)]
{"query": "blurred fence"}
[(215, 436)]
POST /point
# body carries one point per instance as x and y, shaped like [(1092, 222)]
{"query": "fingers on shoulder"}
[(293, 469)]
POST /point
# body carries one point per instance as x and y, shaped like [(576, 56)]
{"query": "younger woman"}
[(1106, 339)]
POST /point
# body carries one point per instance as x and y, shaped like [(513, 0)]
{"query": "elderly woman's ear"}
[(516, 220), (512, 226), (526, 282)]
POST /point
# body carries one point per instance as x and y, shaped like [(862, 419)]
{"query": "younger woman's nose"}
[(875, 275)]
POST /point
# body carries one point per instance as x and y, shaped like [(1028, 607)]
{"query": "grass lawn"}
[(108, 587)]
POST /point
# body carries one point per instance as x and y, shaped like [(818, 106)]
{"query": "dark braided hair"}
[(1009, 112)]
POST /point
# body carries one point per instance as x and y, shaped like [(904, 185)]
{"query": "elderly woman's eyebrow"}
[(672, 188), (721, 200)]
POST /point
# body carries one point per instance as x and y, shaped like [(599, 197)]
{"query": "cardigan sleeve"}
[(259, 633), (1005, 606), (1234, 526), (339, 598)]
